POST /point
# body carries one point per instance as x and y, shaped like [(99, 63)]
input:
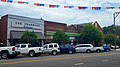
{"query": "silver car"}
[(84, 48)]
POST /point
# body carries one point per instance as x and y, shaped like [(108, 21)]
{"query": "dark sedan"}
[(67, 48), (106, 48)]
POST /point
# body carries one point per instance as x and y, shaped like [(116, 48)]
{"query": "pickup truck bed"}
[(7, 52), (98, 49), (28, 49)]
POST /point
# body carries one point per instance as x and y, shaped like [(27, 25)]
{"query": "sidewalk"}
[(116, 49)]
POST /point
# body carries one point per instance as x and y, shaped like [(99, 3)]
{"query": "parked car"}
[(8, 52), (67, 48), (84, 48), (88, 48), (106, 48), (52, 48), (113, 47), (29, 49)]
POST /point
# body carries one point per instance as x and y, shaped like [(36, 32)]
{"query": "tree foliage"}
[(108, 30), (109, 39), (91, 34), (115, 30), (60, 37), (111, 30), (29, 37)]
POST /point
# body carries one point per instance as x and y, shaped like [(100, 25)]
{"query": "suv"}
[(52, 48)]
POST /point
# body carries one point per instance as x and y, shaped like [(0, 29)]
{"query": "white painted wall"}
[(20, 23)]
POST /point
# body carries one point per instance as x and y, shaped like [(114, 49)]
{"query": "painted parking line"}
[(52, 59), (77, 64), (105, 60)]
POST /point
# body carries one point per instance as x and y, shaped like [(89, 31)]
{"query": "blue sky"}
[(62, 15)]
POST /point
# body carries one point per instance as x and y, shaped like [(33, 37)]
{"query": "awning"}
[(18, 34)]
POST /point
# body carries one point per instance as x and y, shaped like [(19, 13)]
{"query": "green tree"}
[(91, 34), (109, 39), (29, 37), (111, 30), (60, 37), (115, 30), (108, 30)]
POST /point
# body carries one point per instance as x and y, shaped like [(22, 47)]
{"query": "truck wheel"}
[(70, 52), (98, 50), (31, 53), (4, 55), (88, 51), (54, 52)]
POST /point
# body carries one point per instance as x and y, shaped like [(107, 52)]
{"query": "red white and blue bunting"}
[(61, 6)]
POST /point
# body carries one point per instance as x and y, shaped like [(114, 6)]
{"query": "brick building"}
[(12, 28), (51, 27), (72, 32), (75, 29)]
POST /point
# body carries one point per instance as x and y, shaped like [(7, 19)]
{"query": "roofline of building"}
[(54, 22), (10, 15)]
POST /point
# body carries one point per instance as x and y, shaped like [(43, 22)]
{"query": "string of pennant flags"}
[(59, 6)]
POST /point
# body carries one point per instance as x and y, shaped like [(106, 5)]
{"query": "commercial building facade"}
[(51, 27), (12, 28), (72, 32), (76, 29)]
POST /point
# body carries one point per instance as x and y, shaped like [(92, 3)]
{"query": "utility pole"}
[(114, 17)]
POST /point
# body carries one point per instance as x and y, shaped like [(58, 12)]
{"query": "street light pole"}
[(114, 17)]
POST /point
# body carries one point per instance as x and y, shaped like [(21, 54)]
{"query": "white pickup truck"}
[(8, 52), (52, 48), (98, 49), (28, 49)]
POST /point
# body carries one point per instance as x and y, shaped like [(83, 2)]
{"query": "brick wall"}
[(3, 29), (53, 26)]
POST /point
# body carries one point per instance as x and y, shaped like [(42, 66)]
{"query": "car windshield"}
[(66, 45), (17, 45)]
